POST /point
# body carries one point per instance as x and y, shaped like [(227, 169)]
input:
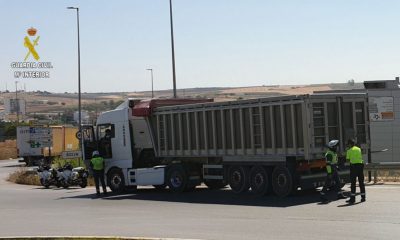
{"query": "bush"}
[(60, 162), (22, 176)]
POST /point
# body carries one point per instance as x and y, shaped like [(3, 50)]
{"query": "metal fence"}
[(375, 167)]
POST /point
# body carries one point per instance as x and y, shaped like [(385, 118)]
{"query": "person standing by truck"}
[(332, 177), (97, 164), (354, 155)]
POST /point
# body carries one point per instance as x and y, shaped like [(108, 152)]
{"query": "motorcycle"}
[(49, 176), (73, 176)]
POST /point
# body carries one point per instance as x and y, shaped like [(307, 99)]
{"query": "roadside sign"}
[(381, 109), (71, 154), (40, 137)]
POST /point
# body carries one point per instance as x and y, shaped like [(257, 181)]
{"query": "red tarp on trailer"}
[(145, 107)]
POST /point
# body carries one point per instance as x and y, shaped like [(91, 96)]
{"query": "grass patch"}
[(60, 162), (22, 176)]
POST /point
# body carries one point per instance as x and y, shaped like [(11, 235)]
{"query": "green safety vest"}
[(333, 161), (98, 163), (354, 155)]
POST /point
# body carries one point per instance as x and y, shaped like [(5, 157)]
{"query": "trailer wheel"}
[(215, 184), (259, 182), (176, 178), (115, 180), (239, 179), (282, 181)]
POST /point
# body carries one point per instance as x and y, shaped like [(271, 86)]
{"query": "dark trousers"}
[(98, 176), (332, 179), (357, 171)]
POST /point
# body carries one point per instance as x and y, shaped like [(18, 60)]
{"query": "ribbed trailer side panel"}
[(276, 127), (245, 128)]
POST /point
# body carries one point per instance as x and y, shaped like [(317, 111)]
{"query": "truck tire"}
[(215, 184), (259, 180), (115, 180), (239, 179), (282, 181), (176, 178)]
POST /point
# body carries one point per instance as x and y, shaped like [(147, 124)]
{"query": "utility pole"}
[(16, 101), (79, 86), (172, 48), (152, 90)]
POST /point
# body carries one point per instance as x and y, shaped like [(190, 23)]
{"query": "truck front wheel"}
[(282, 181), (176, 178), (239, 179), (115, 180)]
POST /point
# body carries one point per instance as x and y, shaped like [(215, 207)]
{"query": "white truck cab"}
[(121, 137)]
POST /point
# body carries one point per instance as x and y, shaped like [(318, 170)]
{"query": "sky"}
[(218, 43)]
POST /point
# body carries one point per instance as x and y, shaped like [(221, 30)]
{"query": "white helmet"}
[(94, 153), (333, 143)]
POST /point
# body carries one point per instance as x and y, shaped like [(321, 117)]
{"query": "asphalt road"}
[(202, 214)]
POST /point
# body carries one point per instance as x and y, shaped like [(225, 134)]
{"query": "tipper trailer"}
[(269, 144)]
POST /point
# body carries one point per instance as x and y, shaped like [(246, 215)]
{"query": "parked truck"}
[(266, 145), (35, 143)]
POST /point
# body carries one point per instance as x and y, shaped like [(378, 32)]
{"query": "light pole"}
[(16, 101), (172, 48), (79, 85), (152, 91)]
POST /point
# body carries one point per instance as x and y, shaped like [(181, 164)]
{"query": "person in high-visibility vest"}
[(332, 177), (97, 164), (354, 155)]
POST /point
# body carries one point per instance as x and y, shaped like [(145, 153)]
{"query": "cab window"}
[(105, 133)]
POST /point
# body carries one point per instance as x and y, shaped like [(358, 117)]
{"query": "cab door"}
[(89, 141)]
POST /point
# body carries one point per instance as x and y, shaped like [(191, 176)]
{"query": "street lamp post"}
[(16, 101), (79, 86), (172, 48), (152, 91)]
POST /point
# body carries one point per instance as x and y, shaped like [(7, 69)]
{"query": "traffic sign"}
[(71, 154), (78, 135)]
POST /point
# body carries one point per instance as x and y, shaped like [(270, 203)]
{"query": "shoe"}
[(105, 193), (363, 200), (98, 194), (350, 201)]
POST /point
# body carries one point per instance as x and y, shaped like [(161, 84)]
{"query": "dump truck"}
[(35, 143), (264, 145)]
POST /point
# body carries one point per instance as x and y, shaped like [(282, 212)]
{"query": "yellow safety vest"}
[(98, 163), (354, 155), (333, 161)]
